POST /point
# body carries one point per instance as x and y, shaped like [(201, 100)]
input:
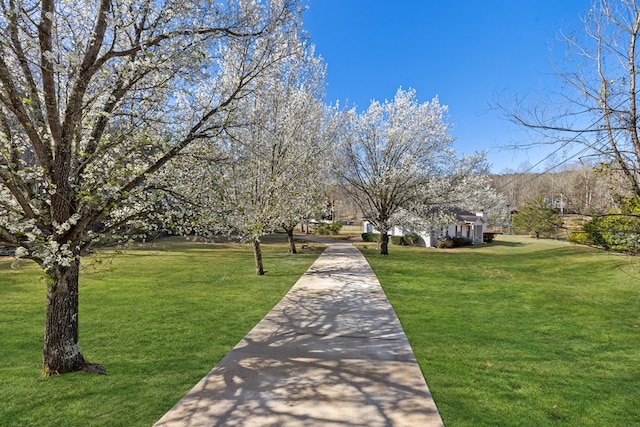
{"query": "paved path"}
[(331, 353)]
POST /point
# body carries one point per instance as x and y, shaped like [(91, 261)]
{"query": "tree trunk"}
[(384, 243), (61, 351), (257, 255), (292, 243)]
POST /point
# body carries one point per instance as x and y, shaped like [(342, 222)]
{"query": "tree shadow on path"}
[(331, 352)]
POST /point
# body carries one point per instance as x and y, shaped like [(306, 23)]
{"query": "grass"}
[(157, 317), (521, 332)]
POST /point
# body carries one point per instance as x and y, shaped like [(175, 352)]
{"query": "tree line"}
[(578, 188)]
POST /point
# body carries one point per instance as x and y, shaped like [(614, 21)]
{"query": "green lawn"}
[(521, 332), (158, 318)]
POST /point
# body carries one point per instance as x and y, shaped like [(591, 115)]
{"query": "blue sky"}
[(468, 53)]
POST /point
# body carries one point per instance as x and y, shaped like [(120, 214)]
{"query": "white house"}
[(466, 224)]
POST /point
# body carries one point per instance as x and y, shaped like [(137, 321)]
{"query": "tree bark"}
[(257, 255), (61, 351), (292, 243), (384, 243)]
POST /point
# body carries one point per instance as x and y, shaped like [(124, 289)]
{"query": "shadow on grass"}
[(192, 244), (498, 242)]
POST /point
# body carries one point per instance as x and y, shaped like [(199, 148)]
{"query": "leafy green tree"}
[(539, 218)]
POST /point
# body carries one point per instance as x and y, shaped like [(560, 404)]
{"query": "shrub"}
[(396, 240), (370, 237), (579, 237), (453, 242), (488, 237), (324, 228), (617, 230), (335, 227), (411, 239), (462, 241), (445, 243)]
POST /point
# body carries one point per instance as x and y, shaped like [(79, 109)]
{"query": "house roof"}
[(460, 215), (464, 216)]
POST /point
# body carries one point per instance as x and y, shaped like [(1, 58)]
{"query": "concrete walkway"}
[(331, 353)]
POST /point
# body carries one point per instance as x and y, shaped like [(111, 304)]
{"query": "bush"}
[(396, 240), (488, 237), (579, 237), (453, 242), (617, 230), (411, 239), (462, 241), (371, 237), (324, 228), (444, 244)]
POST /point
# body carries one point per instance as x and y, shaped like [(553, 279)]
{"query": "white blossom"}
[(164, 75), (270, 167), (398, 164)]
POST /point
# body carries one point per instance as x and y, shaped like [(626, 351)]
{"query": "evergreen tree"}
[(539, 218)]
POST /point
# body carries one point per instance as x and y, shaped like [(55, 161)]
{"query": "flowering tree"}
[(398, 162), (270, 168), (95, 99), (313, 180), (466, 186), (472, 190)]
